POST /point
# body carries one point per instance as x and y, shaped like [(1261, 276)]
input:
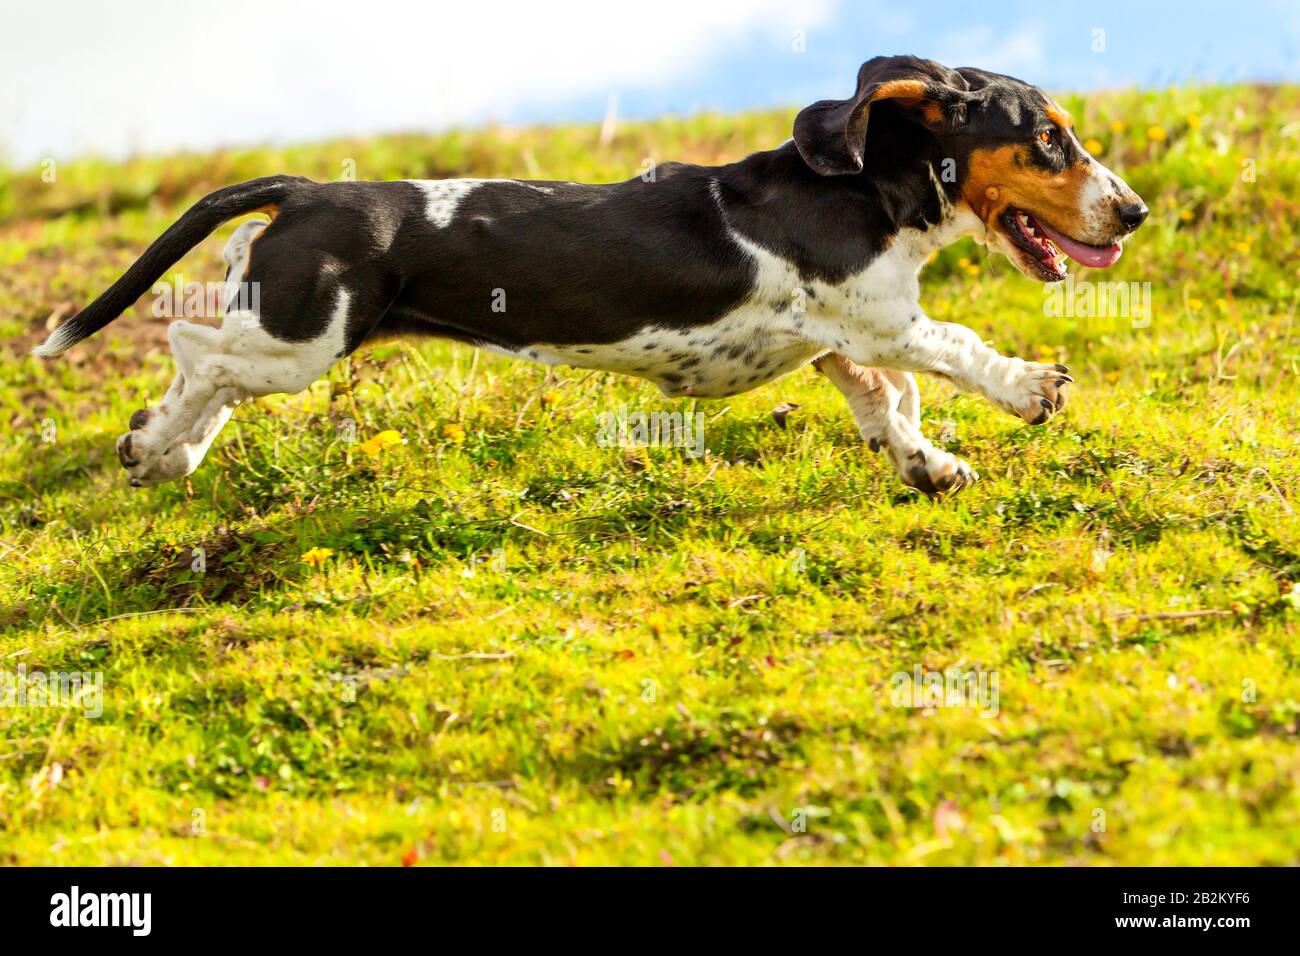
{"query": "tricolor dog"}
[(706, 280)]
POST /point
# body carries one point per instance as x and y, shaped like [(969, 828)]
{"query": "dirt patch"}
[(48, 286), (125, 345)]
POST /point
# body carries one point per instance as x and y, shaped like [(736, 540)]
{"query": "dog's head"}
[(1005, 149)]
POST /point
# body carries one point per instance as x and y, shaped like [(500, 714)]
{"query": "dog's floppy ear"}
[(831, 134)]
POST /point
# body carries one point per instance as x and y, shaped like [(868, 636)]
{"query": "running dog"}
[(707, 280)]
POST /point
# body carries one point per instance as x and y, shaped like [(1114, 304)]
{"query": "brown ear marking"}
[(909, 94), (899, 89), (1007, 173), (830, 134)]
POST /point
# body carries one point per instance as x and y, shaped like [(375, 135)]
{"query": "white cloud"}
[(154, 75), (1019, 52)]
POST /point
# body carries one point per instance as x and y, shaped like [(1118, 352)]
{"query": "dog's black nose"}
[(1133, 214)]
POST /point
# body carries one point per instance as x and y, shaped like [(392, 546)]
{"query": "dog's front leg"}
[(1034, 391)]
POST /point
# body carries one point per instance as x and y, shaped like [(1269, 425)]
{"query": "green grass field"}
[(510, 644)]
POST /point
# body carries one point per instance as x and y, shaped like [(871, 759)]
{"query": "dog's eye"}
[(1045, 137)]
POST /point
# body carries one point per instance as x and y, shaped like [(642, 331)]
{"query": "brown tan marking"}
[(1005, 176), (271, 210), (909, 94), (1060, 117), (899, 89)]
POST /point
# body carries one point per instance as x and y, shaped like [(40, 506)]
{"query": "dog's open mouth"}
[(1047, 249)]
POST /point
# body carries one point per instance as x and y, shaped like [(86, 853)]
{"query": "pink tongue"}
[(1098, 257)]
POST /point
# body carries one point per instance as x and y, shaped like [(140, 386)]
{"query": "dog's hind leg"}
[(170, 441), (190, 343), (886, 407), (292, 311), (218, 368)]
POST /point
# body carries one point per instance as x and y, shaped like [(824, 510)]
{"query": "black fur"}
[(592, 264)]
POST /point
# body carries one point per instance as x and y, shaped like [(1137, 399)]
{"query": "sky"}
[(157, 76)]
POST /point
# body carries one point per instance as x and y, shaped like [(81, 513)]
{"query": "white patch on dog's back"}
[(443, 196)]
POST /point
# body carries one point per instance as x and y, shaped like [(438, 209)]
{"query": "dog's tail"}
[(199, 221)]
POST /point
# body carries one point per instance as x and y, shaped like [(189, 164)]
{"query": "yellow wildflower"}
[(453, 432), (317, 556), (1156, 134), (1193, 121), (1195, 305), (1093, 145), (1186, 215), (1117, 126), (376, 444)]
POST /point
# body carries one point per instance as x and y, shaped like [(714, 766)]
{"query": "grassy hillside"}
[(486, 638)]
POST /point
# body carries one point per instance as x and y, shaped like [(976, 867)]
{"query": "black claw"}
[(139, 418), (919, 479), (1061, 368), (1047, 404), (124, 454), (1040, 419), (875, 444)]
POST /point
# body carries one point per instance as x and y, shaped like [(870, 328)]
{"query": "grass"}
[(524, 647)]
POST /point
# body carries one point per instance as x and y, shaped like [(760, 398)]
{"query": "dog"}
[(707, 280)]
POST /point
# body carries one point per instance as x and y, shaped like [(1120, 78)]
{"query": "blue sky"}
[(80, 76), (1147, 44)]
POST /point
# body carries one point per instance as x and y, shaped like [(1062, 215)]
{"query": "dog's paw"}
[(129, 450), (145, 464), (1037, 392), (933, 472), (176, 462)]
